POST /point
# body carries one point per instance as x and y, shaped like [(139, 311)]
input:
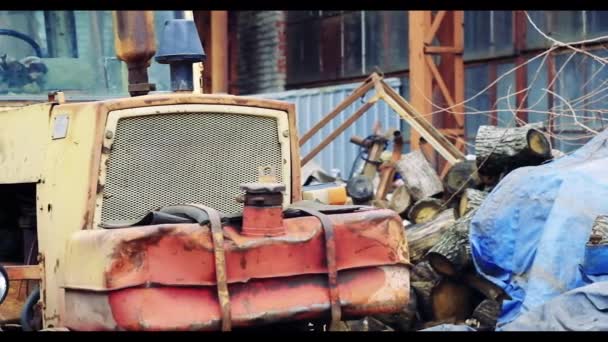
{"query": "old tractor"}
[(182, 211)]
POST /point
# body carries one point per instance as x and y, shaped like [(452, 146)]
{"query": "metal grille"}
[(169, 159)]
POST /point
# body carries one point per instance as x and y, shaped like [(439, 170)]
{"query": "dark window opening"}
[(18, 233)]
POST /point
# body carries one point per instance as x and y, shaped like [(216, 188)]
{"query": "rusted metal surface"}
[(164, 276), (263, 221), (263, 212), (220, 265), (135, 44), (332, 271), (365, 291), (138, 255), (26, 272)]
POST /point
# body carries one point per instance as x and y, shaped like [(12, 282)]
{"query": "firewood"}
[(461, 176), (423, 272), (423, 236), (501, 149), (599, 231), (471, 199), (452, 254), (451, 299), (425, 210), (404, 320), (419, 176), (484, 286), (487, 313), (423, 291), (400, 200)]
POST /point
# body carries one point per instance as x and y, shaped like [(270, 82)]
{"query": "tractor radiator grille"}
[(159, 160)]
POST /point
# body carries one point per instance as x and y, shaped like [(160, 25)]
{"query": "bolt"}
[(286, 133), (109, 134)]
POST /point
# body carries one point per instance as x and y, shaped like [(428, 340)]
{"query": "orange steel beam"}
[(428, 39), (443, 84), (421, 82), (219, 52), (202, 20), (521, 79)]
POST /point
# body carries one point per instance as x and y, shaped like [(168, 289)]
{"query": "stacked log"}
[(500, 150), (471, 199), (425, 210), (420, 179), (461, 176), (452, 253), (422, 237), (486, 313), (444, 283), (400, 200)]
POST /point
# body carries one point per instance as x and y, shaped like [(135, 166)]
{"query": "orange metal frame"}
[(441, 84)]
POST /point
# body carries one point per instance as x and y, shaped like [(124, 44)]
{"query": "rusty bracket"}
[(220, 264)]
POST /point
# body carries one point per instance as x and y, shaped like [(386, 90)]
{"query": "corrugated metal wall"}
[(313, 104)]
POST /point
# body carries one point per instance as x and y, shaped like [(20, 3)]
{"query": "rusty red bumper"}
[(163, 277)]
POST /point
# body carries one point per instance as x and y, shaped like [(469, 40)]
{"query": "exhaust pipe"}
[(135, 44), (180, 47)]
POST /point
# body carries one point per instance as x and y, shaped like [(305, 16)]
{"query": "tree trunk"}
[(503, 149), (486, 313), (400, 200), (425, 210), (471, 199), (404, 320), (485, 287), (422, 237), (452, 254), (451, 299), (599, 231), (419, 176), (423, 272), (461, 176), (423, 290)]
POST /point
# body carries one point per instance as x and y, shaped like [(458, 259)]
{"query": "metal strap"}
[(332, 270), (220, 264)]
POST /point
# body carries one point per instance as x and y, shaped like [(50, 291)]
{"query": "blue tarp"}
[(529, 235), (582, 309)]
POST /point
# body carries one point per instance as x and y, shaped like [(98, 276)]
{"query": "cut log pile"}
[(445, 286)]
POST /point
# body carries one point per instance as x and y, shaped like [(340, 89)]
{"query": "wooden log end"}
[(538, 143), (401, 200), (425, 210), (441, 264), (471, 199), (487, 312), (462, 175), (451, 299)]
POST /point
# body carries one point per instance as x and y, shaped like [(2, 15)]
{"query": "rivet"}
[(286, 133), (109, 134)]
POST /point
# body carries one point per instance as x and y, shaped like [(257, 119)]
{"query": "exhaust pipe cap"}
[(180, 43)]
